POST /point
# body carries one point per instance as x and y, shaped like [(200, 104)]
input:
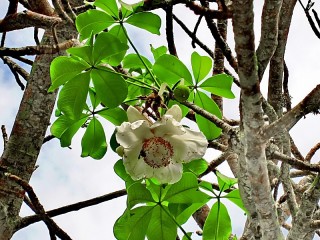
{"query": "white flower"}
[(158, 149)]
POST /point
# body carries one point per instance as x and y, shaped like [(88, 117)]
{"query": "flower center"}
[(157, 152)]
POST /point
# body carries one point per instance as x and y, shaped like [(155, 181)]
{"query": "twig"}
[(61, 12), (312, 152), (15, 74), (298, 164), (68, 9), (193, 37), (24, 60), (295, 151), (169, 31), (3, 38), (26, 221), (219, 123), (193, 44), (287, 98), (48, 138), (4, 136), (215, 163), (15, 67), (35, 36), (52, 226)]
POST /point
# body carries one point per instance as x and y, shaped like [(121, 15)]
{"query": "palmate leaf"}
[(109, 49), (201, 66), (60, 74), (65, 128), (234, 196), (73, 95), (219, 85), (133, 61), (84, 52), (185, 191), (161, 226), (169, 69), (146, 20), (138, 193), (133, 224), (209, 129), (225, 182), (92, 22), (109, 6), (158, 52), (218, 223), (197, 166), (110, 87), (114, 115), (94, 140)]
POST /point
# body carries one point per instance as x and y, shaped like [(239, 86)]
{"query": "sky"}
[(63, 177)]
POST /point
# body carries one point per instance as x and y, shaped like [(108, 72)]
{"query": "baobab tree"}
[(87, 56)]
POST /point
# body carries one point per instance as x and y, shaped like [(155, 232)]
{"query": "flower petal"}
[(133, 163), (175, 112), (134, 115), (167, 125), (170, 174), (130, 133), (189, 146)]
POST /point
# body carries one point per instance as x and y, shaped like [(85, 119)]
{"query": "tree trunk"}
[(23, 147)]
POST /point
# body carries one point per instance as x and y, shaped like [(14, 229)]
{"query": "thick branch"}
[(269, 34), (310, 103), (27, 19)]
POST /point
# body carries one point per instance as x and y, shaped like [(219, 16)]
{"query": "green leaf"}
[(146, 20), (185, 191), (169, 69), (219, 85), (138, 193), (187, 238), (196, 166), (161, 226), (201, 66), (84, 52), (133, 224), (94, 140), (133, 61), (114, 115), (154, 188), (182, 211), (65, 128), (218, 223), (209, 129), (119, 33), (106, 47), (92, 21), (128, 9), (113, 141), (60, 74), (109, 6), (225, 182), (206, 185), (73, 95), (95, 101), (120, 170), (158, 52), (234, 196), (110, 87)]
